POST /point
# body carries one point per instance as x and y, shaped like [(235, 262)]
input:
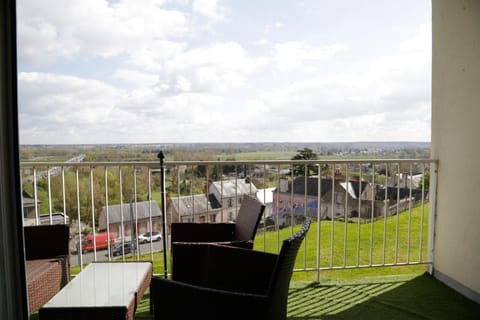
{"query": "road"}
[(102, 255)]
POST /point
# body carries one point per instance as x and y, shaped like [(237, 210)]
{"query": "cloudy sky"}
[(157, 71)]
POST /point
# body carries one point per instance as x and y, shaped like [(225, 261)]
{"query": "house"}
[(229, 194), (30, 206), (195, 208), (338, 198), (221, 205), (405, 180), (138, 217), (265, 196)]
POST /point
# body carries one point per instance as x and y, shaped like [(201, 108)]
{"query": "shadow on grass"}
[(422, 297)]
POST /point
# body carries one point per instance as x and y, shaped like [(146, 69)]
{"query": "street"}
[(102, 255)]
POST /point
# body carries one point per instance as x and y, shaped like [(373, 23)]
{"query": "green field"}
[(397, 249)]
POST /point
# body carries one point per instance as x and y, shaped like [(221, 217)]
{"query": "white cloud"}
[(293, 54), (65, 99), (215, 68), (209, 8), (136, 78), (50, 29), (165, 79)]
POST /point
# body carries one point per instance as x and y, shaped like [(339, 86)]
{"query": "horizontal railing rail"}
[(368, 212)]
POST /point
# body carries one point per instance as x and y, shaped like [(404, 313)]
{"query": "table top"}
[(102, 284)]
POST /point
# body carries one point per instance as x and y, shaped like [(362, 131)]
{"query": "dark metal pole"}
[(13, 285), (161, 156)]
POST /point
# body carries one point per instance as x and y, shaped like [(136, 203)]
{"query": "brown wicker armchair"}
[(239, 234), (47, 262), (230, 283)]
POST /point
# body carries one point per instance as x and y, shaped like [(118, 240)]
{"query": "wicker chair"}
[(185, 236), (47, 262), (241, 233), (231, 283)]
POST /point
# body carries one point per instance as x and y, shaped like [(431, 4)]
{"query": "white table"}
[(102, 290)]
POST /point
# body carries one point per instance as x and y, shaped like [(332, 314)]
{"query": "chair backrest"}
[(248, 218), (280, 281), (46, 241)]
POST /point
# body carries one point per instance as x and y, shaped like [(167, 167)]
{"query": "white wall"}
[(456, 142)]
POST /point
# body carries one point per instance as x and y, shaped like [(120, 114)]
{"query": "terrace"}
[(349, 265), (448, 245)]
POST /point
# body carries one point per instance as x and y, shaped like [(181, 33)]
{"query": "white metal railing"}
[(369, 213)]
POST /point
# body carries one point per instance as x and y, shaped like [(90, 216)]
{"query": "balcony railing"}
[(368, 213)]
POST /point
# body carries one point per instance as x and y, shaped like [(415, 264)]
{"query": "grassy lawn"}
[(347, 251), (394, 249)]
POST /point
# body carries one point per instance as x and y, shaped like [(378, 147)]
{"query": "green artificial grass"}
[(403, 292), (396, 297)]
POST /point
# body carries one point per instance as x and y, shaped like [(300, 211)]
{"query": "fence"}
[(368, 213)]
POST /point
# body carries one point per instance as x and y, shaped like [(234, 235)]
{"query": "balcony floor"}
[(397, 297)]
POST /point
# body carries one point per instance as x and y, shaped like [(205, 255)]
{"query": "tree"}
[(305, 154), (426, 178)]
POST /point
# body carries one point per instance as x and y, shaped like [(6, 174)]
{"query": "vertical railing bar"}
[(179, 214), (206, 188), (121, 212), (265, 202), (150, 227), (222, 207), (92, 203), (109, 244), (345, 216), (49, 184), (292, 201), (170, 204), (372, 214), (236, 192), (80, 250), (385, 214), (64, 200), (319, 218), (332, 220), (277, 204), (409, 213), (360, 192), (432, 214), (35, 196), (192, 175), (135, 231), (398, 213), (305, 214), (420, 254)]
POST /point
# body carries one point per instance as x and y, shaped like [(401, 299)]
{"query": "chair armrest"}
[(202, 232), (223, 267), (176, 300), (46, 241)]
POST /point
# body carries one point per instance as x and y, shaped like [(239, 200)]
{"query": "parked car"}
[(100, 241), (128, 247), (154, 236)]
